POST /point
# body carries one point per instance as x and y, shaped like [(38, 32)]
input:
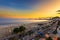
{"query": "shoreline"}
[(6, 31)]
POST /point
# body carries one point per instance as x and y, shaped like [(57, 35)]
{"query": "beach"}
[(5, 30)]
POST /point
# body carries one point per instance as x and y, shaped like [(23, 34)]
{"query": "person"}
[(48, 37), (54, 37), (58, 38), (32, 39), (40, 33), (43, 38)]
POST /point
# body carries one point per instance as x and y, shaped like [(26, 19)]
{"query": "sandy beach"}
[(6, 30)]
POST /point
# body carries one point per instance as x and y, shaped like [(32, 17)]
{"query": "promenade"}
[(35, 31)]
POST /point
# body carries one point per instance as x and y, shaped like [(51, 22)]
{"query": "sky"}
[(29, 8)]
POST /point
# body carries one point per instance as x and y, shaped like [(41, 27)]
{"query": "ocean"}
[(7, 22)]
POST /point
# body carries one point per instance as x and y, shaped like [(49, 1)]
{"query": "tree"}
[(58, 11), (30, 32), (59, 23), (13, 38), (55, 32), (15, 30), (47, 26), (55, 17), (40, 24), (21, 28)]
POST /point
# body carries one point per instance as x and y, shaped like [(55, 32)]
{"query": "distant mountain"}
[(13, 18), (58, 11)]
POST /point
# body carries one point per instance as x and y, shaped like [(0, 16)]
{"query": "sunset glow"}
[(29, 8)]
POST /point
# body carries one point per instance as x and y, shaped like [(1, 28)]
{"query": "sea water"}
[(6, 22)]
